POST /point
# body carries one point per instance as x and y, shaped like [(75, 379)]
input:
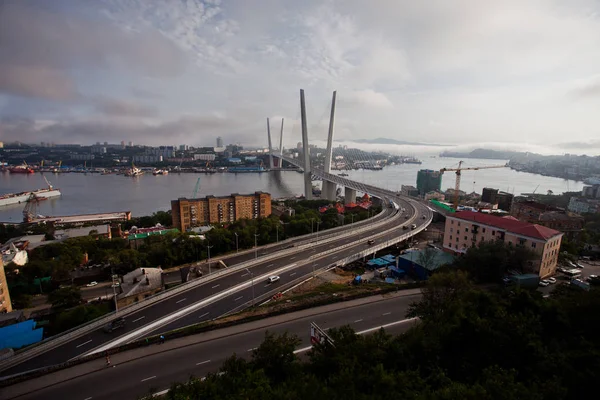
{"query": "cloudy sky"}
[(174, 71)]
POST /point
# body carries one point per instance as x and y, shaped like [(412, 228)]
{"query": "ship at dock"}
[(40, 194), (21, 169), (246, 169), (134, 171), (411, 160), (160, 172)]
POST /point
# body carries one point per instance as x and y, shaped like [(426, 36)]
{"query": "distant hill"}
[(392, 141), (483, 154)]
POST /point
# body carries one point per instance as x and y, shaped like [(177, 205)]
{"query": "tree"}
[(65, 297), (490, 261), (427, 257), (21, 301)]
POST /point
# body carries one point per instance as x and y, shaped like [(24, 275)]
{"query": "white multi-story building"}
[(467, 229), (204, 157)]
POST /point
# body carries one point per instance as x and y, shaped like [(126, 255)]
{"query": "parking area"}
[(589, 268)]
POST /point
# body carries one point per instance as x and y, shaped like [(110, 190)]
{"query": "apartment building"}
[(5, 304), (467, 229), (189, 213)]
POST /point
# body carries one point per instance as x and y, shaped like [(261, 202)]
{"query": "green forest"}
[(470, 343)]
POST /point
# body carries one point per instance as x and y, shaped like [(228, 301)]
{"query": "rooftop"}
[(441, 258), (507, 224)]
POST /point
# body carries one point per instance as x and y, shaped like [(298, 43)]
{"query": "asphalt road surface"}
[(152, 315), (135, 378)]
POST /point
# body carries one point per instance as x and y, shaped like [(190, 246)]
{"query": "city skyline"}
[(508, 74)]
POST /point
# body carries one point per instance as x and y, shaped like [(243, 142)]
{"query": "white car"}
[(115, 285), (551, 280), (94, 283), (544, 283), (273, 278)]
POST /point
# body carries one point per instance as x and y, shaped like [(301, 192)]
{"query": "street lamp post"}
[(255, 246), (252, 276), (237, 248), (277, 233), (208, 247), (312, 226), (318, 224), (114, 288)]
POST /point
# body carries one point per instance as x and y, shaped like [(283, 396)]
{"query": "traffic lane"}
[(136, 378), (136, 320), (243, 298), (152, 313)]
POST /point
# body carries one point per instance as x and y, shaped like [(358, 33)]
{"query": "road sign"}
[(318, 335)]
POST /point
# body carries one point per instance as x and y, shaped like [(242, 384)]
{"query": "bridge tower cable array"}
[(271, 165)]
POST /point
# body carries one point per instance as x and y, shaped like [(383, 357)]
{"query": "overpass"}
[(234, 288)]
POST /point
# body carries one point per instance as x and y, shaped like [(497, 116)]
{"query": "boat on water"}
[(21, 169), (160, 172), (17, 198), (411, 160), (134, 171)]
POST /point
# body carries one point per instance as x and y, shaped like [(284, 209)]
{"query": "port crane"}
[(458, 174)]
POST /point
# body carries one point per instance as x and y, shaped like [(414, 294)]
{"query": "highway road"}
[(160, 316), (135, 378)]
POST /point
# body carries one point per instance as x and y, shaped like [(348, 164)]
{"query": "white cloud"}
[(446, 72)]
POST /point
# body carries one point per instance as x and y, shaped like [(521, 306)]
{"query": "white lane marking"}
[(179, 301), (386, 313), (138, 319), (147, 379), (243, 275), (203, 315), (161, 393), (184, 311), (203, 362), (292, 258), (292, 274), (83, 344), (270, 265), (216, 286), (88, 398), (302, 350), (237, 298), (358, 320), (267, 285), (252, 349)]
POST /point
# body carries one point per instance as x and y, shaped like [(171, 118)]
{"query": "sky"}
[(518, 74)]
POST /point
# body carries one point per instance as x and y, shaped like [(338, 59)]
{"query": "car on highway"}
[(115, 285), (93, 283), (578, 265), (406, 216), (413, 226), (544, 283), (114, 324), (551, 280), (370, 242), (273, 279), (404, 227)]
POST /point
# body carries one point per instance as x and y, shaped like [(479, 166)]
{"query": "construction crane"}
[(458, 173), (196, 189)]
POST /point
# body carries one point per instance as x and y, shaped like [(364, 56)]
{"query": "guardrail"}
[(55, 341)]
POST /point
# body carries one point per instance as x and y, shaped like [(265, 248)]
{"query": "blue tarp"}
[(389, 258), (378, 263), (390, 280), (18, 335)]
